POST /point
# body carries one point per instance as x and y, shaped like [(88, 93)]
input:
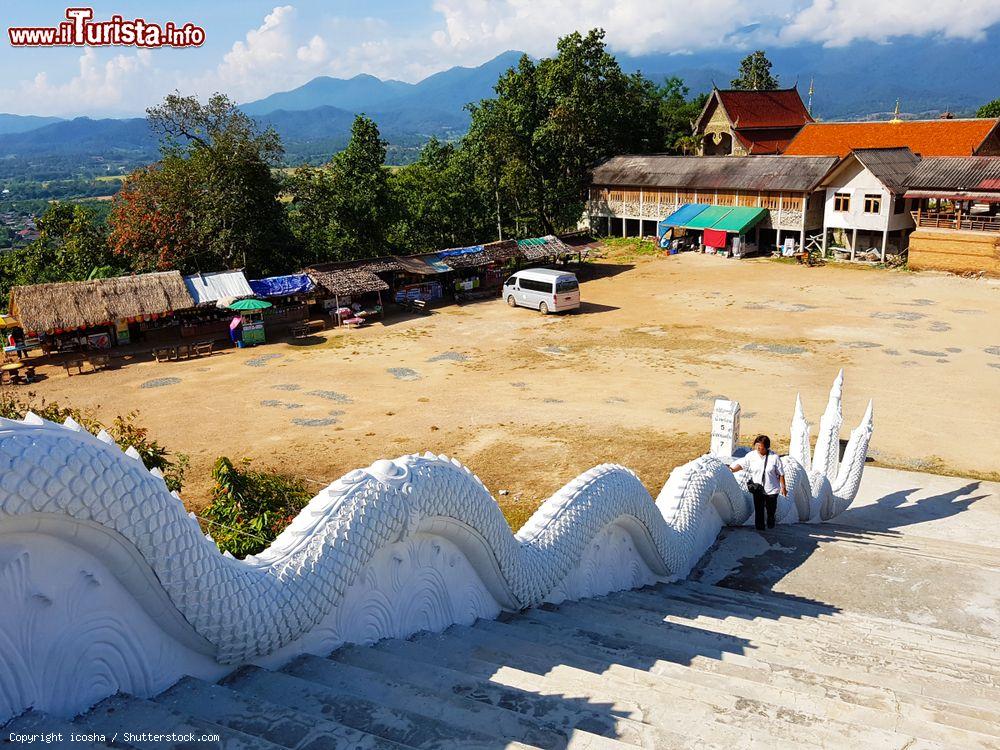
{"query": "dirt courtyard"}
[(529, 401)]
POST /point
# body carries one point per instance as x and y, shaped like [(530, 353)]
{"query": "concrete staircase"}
[(683, 665)]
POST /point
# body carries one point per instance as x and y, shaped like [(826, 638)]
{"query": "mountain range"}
[(859, 81)]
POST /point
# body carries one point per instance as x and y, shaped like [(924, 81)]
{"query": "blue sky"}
[(254, 48)]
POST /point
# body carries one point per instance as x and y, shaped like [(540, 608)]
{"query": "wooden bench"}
[(307, 328), (202, 348), (415, 305), (99, 361), (165, 353), (73, 362)]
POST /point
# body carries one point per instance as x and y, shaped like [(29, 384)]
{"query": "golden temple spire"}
[(895, 114)]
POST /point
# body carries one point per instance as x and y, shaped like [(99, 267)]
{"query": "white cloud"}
[(255, 62), (101, 85), (313, 53), (840, 22)]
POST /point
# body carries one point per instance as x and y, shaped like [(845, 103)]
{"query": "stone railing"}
[(108, 584)]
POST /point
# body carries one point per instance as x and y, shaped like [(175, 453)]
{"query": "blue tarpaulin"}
[(282, 286), (681, 216), (456, 251)]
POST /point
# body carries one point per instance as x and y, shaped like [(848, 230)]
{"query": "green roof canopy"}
[(707, 218), (739, 219)]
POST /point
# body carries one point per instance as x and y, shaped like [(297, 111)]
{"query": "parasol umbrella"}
[(249, 305)]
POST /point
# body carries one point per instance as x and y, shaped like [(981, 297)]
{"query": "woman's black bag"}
[(753, 487)]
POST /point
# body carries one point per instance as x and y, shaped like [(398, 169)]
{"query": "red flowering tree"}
[(212, 201)]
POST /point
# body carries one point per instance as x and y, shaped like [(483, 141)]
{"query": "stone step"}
[(392, 691), (876, 707), (404, 727), (37, 724), (719, 717), (962, 553), (848, 642), (646, 647), (612, 693), (962, 645), (832, 631), (521, 708), (697, 621), (146, 725), (270, 721)]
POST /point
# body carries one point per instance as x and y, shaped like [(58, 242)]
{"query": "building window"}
[(899, 205), (842, 202), (873, 203)]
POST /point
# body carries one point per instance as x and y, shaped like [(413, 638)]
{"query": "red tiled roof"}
[(923, 137), (765, 140), (780, 108)]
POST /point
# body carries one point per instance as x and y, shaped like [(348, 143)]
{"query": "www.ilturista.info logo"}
[(80, 30)]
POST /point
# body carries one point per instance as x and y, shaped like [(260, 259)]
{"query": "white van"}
[(543, 289)]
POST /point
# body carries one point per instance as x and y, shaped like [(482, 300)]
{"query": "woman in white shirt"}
[(766, 478)]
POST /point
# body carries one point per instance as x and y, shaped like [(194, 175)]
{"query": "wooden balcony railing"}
[(957, 221)]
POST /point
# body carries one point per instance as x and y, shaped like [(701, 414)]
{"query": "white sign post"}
[(725, 428)]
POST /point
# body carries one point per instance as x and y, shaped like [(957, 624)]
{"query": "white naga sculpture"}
[(108, 584)]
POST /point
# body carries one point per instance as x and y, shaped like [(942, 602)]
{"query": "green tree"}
[(212, 200), (755, 73), (344, 209), (676, 113), (990, 109), (555, 119), (438, 204), (72, 246), (362, 204)]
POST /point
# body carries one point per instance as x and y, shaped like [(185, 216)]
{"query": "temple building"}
[(943, 137), (630, 195), (734, 122)]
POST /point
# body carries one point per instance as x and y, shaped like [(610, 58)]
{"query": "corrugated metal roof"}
[(796, 174), (978, 173), (889, 165), (211, 287)]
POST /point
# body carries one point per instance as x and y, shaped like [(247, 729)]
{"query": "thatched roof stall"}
[(544, 248), (465, 257), (82, 304), (348, 282), (502, 251)]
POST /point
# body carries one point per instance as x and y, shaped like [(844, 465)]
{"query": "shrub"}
[(250, 507)]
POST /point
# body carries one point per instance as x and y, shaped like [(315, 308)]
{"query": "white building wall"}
[(857, 180)]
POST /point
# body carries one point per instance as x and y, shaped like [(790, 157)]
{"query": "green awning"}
[(740, 219), (708, 218)]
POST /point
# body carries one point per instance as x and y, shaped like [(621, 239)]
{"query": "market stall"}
[(479, 270), (290, 296), (100, 313), (353, 292), (547, 249), (250, 314)]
